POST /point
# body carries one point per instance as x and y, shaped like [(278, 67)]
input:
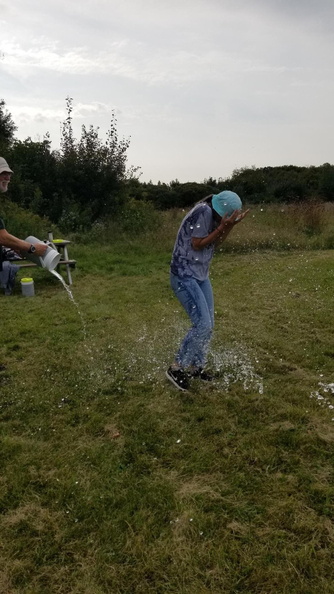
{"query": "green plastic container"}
[(27, 287)]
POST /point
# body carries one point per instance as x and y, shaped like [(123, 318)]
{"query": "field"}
[(114, 482)]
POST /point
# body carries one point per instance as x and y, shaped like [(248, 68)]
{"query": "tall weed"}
[(309, 216), (307, 225)]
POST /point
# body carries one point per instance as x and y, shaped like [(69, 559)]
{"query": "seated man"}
[(6, 238)]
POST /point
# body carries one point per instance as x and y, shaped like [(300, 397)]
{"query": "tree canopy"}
[(83, 181)]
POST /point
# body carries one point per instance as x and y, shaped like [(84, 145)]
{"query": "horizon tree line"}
[(87, 180)]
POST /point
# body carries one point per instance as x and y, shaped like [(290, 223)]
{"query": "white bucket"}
[(49, 260), (27, 287)]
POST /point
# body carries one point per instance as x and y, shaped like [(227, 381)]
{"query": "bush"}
[(137, 217), (22, 223)]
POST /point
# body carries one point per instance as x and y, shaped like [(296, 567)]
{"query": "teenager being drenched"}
[(207, 224)]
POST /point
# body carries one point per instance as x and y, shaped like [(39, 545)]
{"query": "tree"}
[(7, 127), (92, 173), (326, 184), (34, 185)]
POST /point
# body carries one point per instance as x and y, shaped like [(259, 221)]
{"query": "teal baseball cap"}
[(226, 202)]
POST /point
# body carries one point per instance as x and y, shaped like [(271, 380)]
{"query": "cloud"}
[(183, 76), (160, 42), (46, 54), (81, 111), (30, 114), (132, 60)]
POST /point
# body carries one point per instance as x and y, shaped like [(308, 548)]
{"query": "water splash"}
[(70, 294), (323, 395), (233, 364)]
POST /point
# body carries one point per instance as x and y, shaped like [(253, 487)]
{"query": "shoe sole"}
[(175, 383)]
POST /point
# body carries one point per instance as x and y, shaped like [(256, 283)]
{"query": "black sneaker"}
[(203, 375), (179, 378)]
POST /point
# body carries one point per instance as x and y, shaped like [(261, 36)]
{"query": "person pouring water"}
[(6, 239), (207, 223)]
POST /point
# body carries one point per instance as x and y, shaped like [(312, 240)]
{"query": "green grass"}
[(113, 482)]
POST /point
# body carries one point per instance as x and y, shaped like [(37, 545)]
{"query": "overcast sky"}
[(203, 87)]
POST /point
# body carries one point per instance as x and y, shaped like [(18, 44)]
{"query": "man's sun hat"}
[(4, 166), (226, 202)]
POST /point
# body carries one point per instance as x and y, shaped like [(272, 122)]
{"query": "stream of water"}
[(70, 294)]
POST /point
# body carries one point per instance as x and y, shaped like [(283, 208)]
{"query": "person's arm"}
[(221, 232), (20, 245)]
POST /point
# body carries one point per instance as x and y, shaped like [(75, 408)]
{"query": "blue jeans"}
[(197, 299)]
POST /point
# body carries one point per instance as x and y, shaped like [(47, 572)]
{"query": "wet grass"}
[(113, 482)]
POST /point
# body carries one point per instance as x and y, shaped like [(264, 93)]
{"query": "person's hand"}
[(228, 221), (241, 215), (40, 249)]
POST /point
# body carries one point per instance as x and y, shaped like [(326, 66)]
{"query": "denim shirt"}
[(187, 262)]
